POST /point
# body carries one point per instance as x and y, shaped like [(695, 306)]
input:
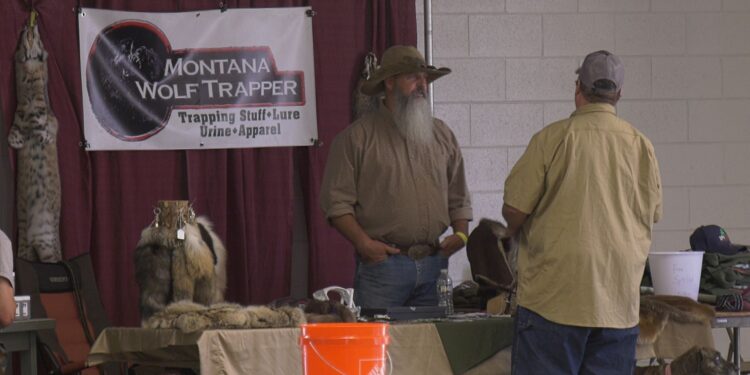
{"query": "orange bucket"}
[(344, 348)]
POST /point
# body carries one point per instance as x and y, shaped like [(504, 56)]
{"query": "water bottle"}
[(445, 291)]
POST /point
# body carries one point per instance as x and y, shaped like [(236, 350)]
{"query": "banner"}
[(207, 79)]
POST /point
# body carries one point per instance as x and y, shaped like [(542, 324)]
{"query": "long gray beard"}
[(413, 118)]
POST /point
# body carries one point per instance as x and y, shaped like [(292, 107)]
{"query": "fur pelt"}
[(493, 259), (168, 269), (316, 311), (696, 361), (657, 311), (363, 104), (34, 137), (188, 316)]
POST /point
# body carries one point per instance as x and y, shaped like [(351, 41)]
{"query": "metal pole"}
[(428, 44)]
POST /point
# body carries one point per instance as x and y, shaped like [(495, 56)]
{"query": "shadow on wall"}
[(6, 180)]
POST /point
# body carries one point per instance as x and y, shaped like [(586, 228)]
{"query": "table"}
[(415, 348), (733, 321), (21, 336)]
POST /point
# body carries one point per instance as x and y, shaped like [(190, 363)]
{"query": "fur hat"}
[(399, 60)]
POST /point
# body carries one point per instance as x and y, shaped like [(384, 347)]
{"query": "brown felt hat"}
[(399, 60)]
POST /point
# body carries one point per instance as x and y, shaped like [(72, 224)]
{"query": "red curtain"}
[(108, 197)]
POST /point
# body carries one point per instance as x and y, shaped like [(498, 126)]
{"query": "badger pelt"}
[(656, 311), (696, 361), (188, 316), (318, 311), (168, 269), (328, 312)]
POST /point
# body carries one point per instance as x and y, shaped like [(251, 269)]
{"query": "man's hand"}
[(451, 244), (373, 251)]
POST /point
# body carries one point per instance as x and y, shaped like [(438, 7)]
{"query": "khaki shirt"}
[(592, 188), (398, 193)]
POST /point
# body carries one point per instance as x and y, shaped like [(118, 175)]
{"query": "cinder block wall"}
[(687, 87)]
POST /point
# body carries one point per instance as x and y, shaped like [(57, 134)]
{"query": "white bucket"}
[(676, 273)]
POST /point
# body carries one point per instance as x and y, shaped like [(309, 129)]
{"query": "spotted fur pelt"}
[(34, 136), (189, 317), (168, 269)]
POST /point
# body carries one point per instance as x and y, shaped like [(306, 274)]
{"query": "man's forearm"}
[(7, 303), (460, 225), (515, 219), (348, 226)]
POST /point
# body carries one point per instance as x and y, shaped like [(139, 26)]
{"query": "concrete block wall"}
[(687, 87)]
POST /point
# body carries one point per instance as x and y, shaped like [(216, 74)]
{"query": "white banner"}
[(206, 79)]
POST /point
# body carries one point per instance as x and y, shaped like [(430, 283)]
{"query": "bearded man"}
[(393, 184)]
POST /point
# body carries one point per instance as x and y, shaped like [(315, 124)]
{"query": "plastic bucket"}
[(344, 348), (676, 273)]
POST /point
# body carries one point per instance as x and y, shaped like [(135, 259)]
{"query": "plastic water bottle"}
[(445, 291)]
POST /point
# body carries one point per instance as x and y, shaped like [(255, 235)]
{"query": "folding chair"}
[(67, 292)]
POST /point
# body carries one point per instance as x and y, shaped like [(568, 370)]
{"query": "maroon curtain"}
[(108, 197), (366, 26)]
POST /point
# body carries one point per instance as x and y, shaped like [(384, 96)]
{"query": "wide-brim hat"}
[(400, 60)]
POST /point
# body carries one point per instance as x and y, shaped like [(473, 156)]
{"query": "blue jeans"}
[(398, 281), (543, 347)]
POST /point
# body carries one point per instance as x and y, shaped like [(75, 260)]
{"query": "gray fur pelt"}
[(189, 317), (168, 269)]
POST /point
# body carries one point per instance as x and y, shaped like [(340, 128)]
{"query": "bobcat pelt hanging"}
[(363, 104), (34, 136), (168, 269)]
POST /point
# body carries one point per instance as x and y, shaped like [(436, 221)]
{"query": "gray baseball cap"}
[(601, 65)]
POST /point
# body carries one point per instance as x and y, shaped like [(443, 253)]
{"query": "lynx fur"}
[(34, 135), (168, 269)]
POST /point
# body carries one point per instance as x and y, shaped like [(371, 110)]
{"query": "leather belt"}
[(417, 251)]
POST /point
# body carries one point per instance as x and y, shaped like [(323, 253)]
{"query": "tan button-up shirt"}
[(398, 193), (592, 188)]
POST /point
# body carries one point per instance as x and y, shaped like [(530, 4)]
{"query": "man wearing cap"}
[(393, 183), (583, 199)]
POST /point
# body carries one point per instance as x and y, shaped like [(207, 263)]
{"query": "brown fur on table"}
[(657, 311)]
